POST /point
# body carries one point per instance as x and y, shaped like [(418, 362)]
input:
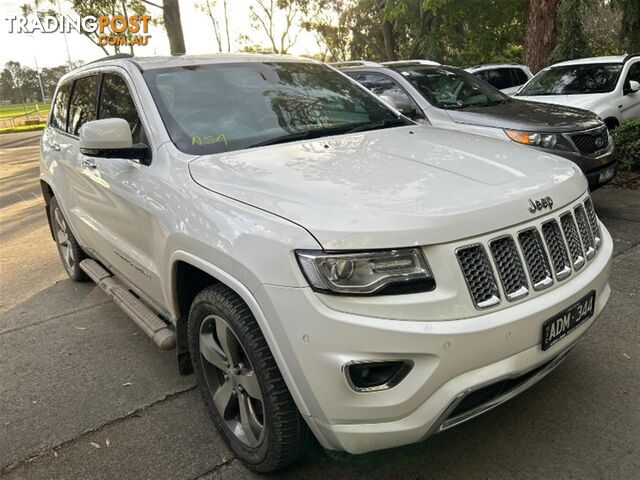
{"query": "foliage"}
[(627, 141), (630, 27), (448, 31), (602, 27), (571, 40), (20, 83)]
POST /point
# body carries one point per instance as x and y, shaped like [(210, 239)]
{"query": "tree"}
[(540, 33), (630, 28), (173, 26), (276, 19), (208, 8), (602, 26), (571, 40)]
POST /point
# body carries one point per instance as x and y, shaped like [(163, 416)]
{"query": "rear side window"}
[(116, 102), (520, 76), (498, 77), (60, 107), (83, 103)]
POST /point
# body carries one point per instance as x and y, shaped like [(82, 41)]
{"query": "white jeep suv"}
[(324, 265)]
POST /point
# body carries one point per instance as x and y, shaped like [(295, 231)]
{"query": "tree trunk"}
[(171, 14), (540, 34), (389, 41)]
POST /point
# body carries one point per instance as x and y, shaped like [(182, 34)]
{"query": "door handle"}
[(89, 164), (55, 146)]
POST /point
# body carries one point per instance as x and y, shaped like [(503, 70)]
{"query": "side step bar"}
[(163, 336)]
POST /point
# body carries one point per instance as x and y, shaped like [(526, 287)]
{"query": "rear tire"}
[(241, 383), (70, 252)]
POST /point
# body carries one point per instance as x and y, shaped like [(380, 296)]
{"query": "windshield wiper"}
[(386, 123), (292, 137)]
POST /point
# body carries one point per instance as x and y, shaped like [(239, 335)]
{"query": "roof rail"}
[(418, 61), (355, 63), (111, 57)]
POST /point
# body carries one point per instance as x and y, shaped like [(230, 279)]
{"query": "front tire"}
[(241, 383), (70, 252)]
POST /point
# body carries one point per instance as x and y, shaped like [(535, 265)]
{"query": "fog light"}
[(375, 376)]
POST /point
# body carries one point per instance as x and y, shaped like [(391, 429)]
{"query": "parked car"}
[(607, 86), (506, 77), (323, 264), (448, 97)]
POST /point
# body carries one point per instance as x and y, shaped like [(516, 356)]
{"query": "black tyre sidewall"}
[(76, 273), (199, 311)]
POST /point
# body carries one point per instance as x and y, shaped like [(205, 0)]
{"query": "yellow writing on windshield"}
[(208, 140)]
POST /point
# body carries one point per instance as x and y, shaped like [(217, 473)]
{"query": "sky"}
[(48, 49)]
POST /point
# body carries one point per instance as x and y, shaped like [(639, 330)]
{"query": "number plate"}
[(606, 175), (562, 324)]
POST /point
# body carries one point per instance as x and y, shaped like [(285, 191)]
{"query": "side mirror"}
[(632, 88), (111, 138), (400, 104)]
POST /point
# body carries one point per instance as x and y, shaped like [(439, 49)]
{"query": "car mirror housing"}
[(111, 138), (633, 87)]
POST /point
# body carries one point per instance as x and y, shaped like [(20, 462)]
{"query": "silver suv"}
[(448, 97)]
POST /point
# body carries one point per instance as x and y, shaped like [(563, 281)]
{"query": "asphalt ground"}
[(84, 394)]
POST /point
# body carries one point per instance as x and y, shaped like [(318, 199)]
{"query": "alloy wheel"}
[(62, 239), (231, 381)]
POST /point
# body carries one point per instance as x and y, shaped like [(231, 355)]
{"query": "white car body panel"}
[(243, 214)]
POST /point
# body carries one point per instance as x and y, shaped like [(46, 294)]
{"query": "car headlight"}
[(546, 140), (364, 273)]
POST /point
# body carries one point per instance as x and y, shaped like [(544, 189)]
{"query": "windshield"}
[(574, 79), (450, 88), (216, 108)]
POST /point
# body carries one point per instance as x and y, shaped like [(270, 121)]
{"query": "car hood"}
[(524, 115), (586, 102), (394, 187)]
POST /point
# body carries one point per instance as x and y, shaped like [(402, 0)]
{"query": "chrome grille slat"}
[(532, 258), (557, 249), (479, 276), (510, 269), (536, 259), (573, 240), (586, 235), (593, 221)]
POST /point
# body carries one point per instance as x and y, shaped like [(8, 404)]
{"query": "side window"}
[(499, 77), (383, 85), (520, 76), (116, 102), (83, 103), (634, 74), (60, 107)]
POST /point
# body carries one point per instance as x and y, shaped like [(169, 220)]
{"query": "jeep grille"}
[(539, 256)]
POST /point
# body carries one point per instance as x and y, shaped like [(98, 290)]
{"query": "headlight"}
[(547, 140), (380, 272)]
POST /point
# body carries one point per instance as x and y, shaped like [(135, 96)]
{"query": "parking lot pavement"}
[(84, 394)]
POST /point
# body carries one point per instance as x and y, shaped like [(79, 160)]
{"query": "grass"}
[(22, 128), (16, 109)]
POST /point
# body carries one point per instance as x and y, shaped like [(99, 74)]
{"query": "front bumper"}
[(591, 166), (451, 358)]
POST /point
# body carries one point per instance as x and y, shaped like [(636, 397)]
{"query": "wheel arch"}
[(47, 194), (611, 122)]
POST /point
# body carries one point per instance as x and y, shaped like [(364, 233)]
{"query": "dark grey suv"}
[(448, 97)]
